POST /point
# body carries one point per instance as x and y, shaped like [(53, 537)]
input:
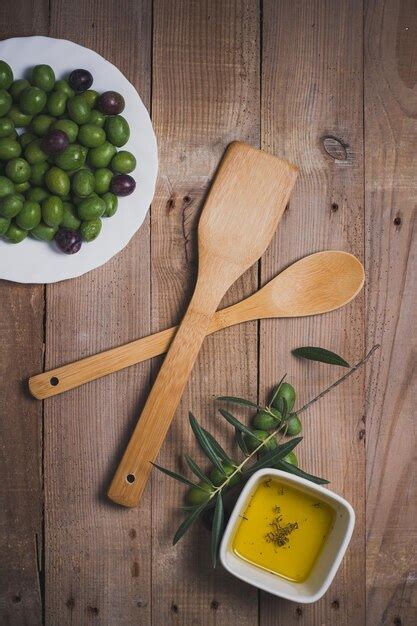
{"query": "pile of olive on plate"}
[(63, 171)]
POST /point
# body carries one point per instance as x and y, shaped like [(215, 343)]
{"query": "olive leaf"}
[(276, 390), (204, 442), (235, 422), (273, 456), (178, 477), (236, 400), (197, 470), (320, 354), (240, 440), (217, 529), (293, 469), (182, 529), (217, 448)]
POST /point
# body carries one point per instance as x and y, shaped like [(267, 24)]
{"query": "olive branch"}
[(226, 473)]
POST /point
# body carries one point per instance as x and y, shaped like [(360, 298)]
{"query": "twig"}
[(340, 380)]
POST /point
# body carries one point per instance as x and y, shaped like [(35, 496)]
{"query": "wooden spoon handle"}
[(78, 373), (136, 464)]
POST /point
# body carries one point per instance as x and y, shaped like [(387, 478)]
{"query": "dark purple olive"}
[(80, 80), (111, 103), (69, 241), (55, 142), (122, 185)]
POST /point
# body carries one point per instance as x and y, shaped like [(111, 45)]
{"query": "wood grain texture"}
[(391, 211), (109, 566), (22, 332), (205, 95), (97, 556), (312, 114)]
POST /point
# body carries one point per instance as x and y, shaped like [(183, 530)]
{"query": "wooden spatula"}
[(318, 283), (240, 215)]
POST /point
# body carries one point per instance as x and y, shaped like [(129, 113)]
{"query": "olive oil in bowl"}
[(283, 529)]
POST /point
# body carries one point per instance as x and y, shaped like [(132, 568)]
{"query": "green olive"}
[(22, 187), (4, 225), (92, 207), (26, 138), (291, 458), (70, 219), (101, 156), (6, 127), (123, 162), (91, 97), (37, 194), (6, 187), (196, 496), (217, 477), (9, 149), (82, 184), (19, 118), (11, 205), (43, 232), (57, 181), (286, 391), (43, 76), (32, 100), (52, 211), (265, 421), (57, 102), (38, 171), (14, 234), (72, 158), (17, 87), (34, 153), (102, 180), (293, 426), (18, 170), (97, 118), (117, 130), (254, 440), (6, 75), (90, 230), (41, 124), (78, 109), (29, 216), (62, 85), (111, 202), (91, 136), (5, 102)]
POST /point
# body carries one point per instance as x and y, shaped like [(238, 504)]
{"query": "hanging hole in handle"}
[(130, 478), (54, 381)]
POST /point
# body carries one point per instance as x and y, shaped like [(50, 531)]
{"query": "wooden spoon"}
[(240, 215), (318, 283)]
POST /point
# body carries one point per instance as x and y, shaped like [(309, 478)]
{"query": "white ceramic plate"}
[(37, 261)]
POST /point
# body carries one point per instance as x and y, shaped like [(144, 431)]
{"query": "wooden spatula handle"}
[(135, 467)]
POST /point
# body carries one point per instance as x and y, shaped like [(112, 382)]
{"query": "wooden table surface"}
[(331, 86)]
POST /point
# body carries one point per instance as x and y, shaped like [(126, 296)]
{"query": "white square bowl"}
[(328, 560)]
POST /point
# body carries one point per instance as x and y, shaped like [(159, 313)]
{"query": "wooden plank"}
[(97, 555), (312, 102), (21, 327), (391, 189), (205, 94)]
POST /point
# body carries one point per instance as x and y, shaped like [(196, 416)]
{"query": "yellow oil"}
[(294, 559)]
